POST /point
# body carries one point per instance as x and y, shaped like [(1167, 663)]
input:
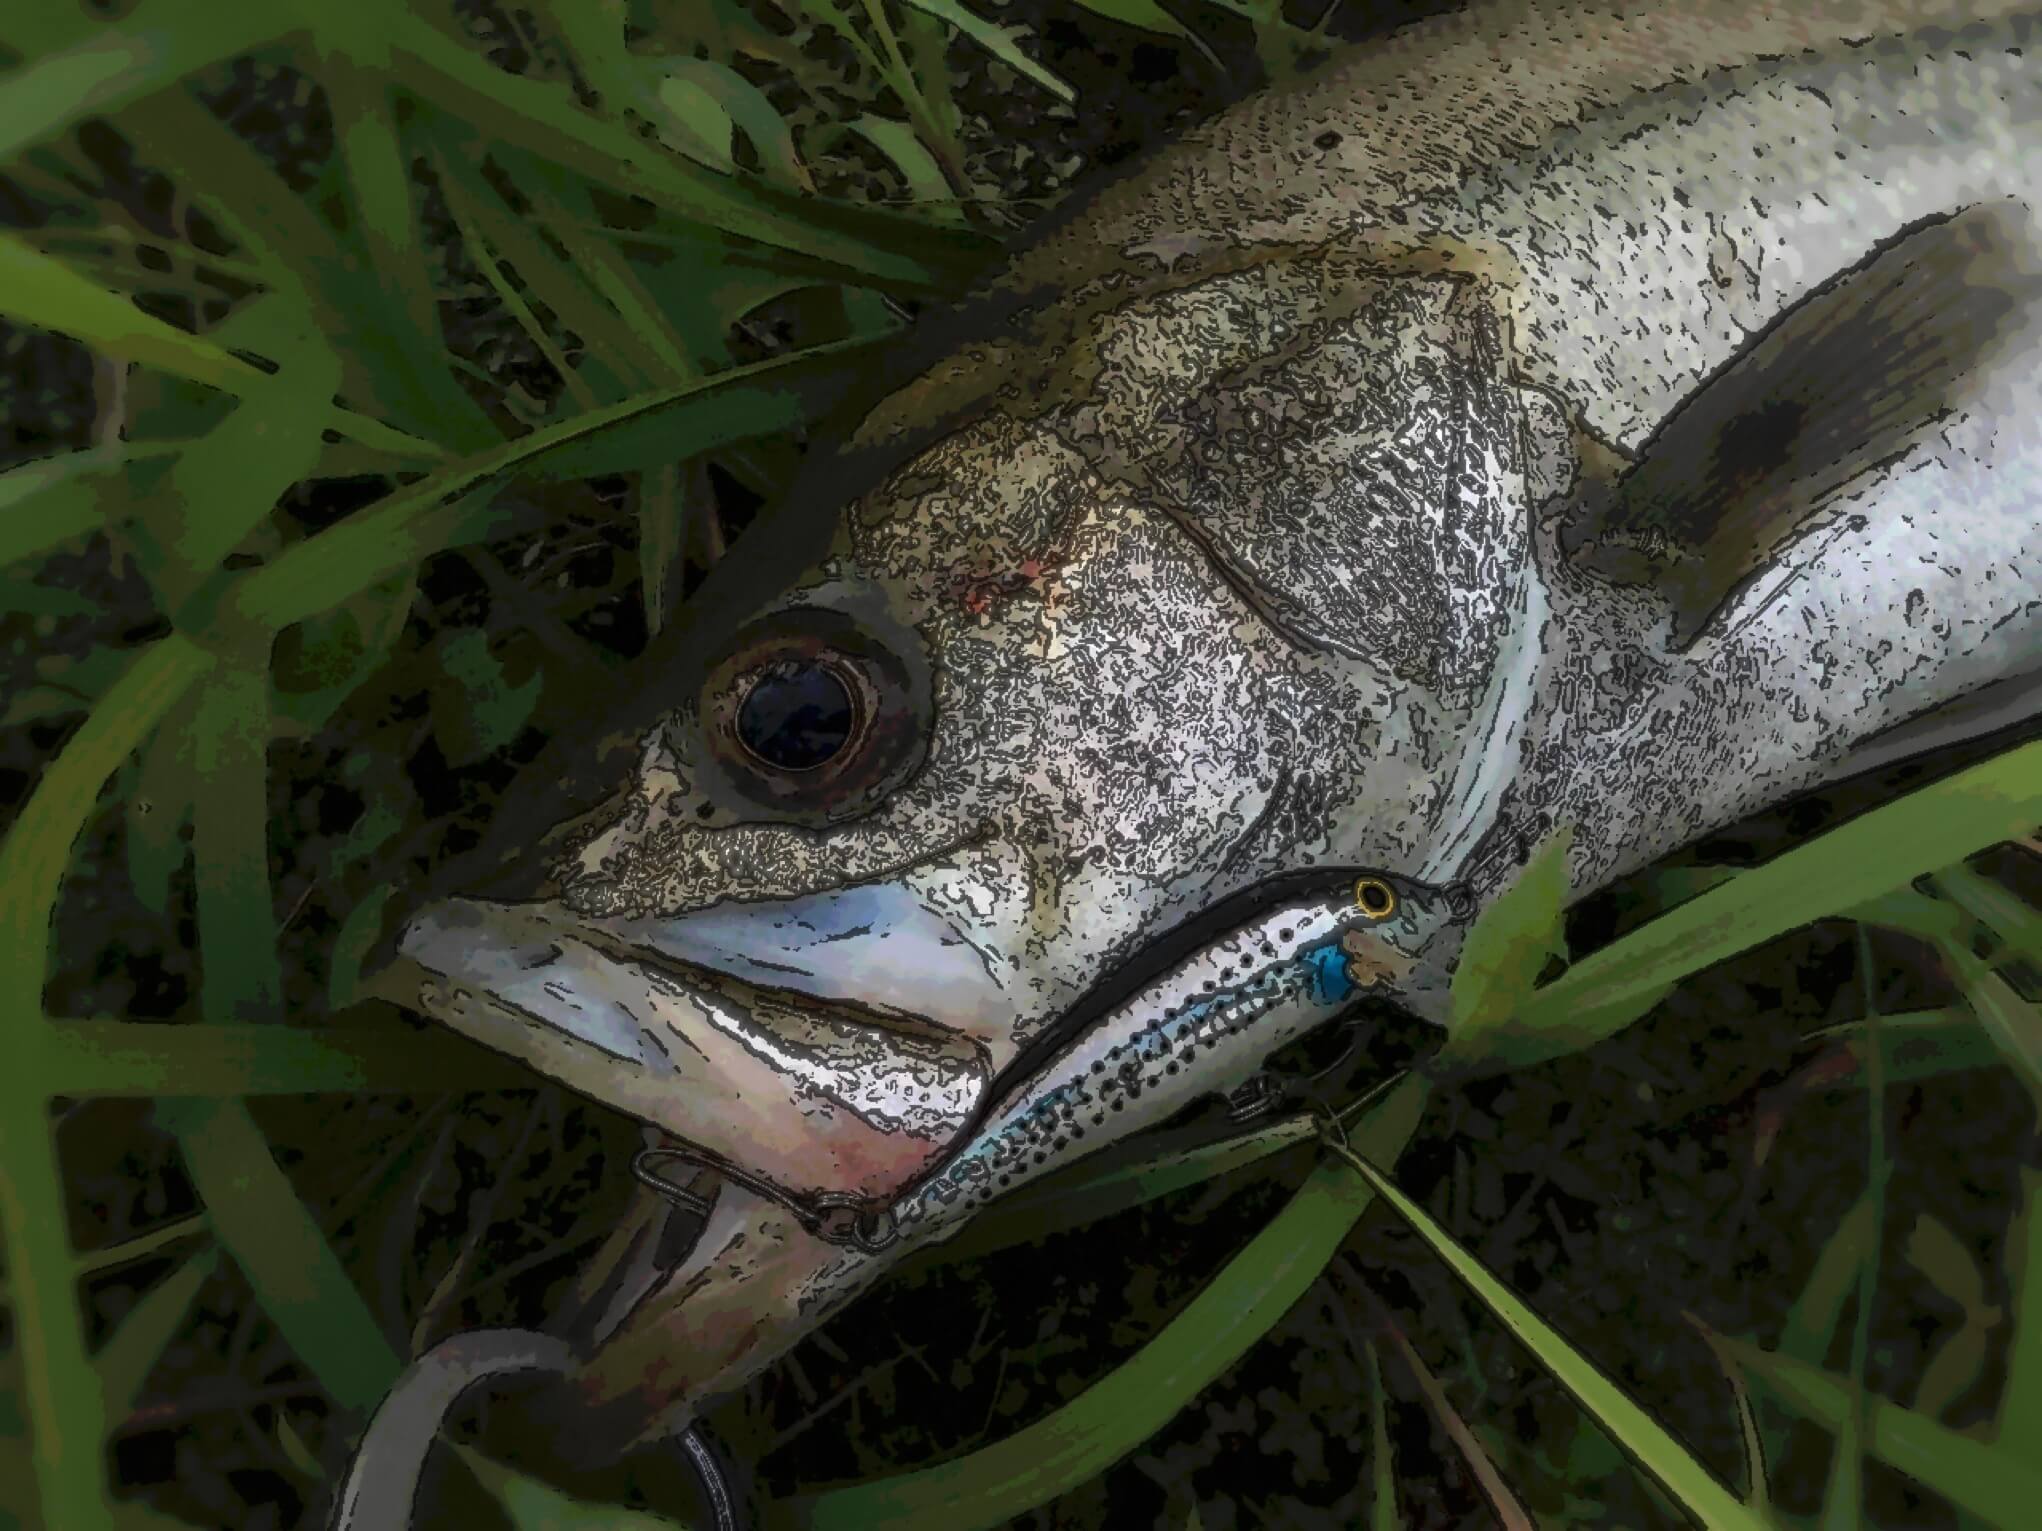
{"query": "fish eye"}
[(797, 714), (1375, 898), (813, 714)]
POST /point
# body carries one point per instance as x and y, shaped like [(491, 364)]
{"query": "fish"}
[(1547, 414)]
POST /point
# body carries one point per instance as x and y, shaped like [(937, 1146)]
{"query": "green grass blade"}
[(2014, 1025), (1914, 914), (1880, 850), (1995, 906), (47, 294), (1811, 1322), (230, 845), (493, 236), (20, 598), (1917, 1044), (684, 420), (1086, 1436), (1843, 1498), (1843, 1505), (699, 416), (998, 41), (159, 806), (1960, 1360), (145, 1330), (1146, 14), (66, 1414), (395, 370), (1995, 1482), (497, 275), (275, 228), (671, 305), (354, 68), (206, 1059), (262, 1224), (1512, 940), (54, 499), (612, 276), (367, 548), (2020, 1404), (661, 519), (545, 120), (37, 847), (143, 1245), (1690, 1485), (1758, 1492), (690, 121), (62, 1390), (1382, 1464), (352, 945), (908, 154), (157, 44), (226, 482), (751, 112), (594, 35)]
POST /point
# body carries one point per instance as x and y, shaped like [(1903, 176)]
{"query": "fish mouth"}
[(825, 1044), (837, 1045)]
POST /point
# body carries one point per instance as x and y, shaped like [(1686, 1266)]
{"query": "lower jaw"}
[(754, 1285)]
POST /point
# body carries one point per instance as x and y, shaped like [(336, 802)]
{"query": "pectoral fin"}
[(1843, 384)]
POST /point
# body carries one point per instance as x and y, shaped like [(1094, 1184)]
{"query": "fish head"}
[(1045, 702)]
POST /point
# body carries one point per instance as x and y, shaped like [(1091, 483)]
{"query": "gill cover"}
[(1335, 425)]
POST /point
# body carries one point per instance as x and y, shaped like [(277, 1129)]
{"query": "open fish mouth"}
[(825, 1044), (837, 1046)]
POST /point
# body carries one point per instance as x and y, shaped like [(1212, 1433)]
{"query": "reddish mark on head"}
[(975, 584)]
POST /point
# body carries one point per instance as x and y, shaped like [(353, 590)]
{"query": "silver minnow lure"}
[(1177, 1041), (1538, 416)]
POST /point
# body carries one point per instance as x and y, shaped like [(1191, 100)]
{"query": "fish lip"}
[(816, 1097), (705, 979), (872, 953)]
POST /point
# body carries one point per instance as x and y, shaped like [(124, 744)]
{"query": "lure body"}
[(1173, 1043), (1538, 416)]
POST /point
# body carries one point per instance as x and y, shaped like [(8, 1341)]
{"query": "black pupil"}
[(797, 715)]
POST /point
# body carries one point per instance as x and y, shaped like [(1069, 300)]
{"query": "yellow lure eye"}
[(1375, 898)]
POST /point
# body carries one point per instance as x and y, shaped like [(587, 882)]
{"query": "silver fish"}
[(1537, 416)]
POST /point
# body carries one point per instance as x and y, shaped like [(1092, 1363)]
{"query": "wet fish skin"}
[(1259, 533)]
